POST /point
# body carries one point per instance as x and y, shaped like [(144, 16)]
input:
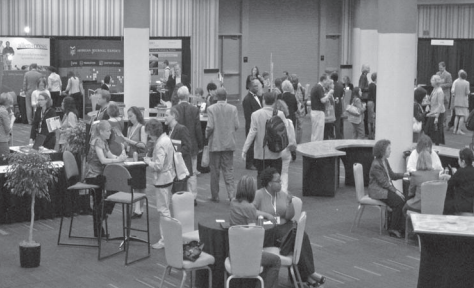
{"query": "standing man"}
[(447, 82), (317, 108), (263, 157), (189, 117), (103, 102), (7, 52), (338, 100), (251, 103), (29, 85), (221, 127), (371, 100)]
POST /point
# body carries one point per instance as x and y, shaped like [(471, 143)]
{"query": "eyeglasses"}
[(41, 99), (276, 181)]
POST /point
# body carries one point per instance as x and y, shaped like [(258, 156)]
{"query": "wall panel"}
[(446, 21)]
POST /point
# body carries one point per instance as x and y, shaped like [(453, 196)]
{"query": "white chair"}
[(297, 205), (172, 236), (364, 200), (183, 211), (245, 253), (291, 261)]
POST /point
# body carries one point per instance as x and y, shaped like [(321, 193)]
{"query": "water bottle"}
[(135, 156), (260, 220)]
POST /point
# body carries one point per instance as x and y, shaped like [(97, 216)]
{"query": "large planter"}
[(30, 256)]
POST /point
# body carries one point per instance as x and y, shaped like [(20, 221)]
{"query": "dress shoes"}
[(251, 168), (395, 234), (216, 200), (158, 245), (136, 215)]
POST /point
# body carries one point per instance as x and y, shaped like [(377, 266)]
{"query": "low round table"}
[(216, 243)]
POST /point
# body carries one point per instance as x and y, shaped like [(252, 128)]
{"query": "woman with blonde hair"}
[(434, 124)]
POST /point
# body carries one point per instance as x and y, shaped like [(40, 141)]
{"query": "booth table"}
[(216, 243), (447, 250), (321, 163)]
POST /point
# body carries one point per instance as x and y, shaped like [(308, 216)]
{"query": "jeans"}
[(192, 180), (271, 267), (317, 125), (222, 160)]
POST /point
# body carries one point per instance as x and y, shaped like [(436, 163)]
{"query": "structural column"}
[(396, 72), (365, 38), (136, 32)]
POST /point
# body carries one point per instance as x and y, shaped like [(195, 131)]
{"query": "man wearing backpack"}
[(263, 156)]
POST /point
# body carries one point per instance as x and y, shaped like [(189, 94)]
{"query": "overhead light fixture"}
[(27, 29)]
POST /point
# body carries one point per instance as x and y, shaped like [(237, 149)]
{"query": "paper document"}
[(53, 123), (12, 121)]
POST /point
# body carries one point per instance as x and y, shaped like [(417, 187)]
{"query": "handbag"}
[(192, 250), (180, 182), (329, 113), (205, 157), (288, 242), (416, 125), (351, 109)]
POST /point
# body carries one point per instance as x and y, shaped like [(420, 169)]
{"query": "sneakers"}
[(158, 245)]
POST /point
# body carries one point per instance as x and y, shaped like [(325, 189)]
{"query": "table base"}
[(320, 176)]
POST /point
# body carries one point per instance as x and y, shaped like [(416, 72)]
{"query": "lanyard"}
[(42, 118), (272, 201), (133, 132)]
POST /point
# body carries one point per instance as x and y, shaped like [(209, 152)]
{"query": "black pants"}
[(339, 127), (262, 164), (97, 199), (249, 161), (55, 96), (22, 106), (366, 123), (396, 203)]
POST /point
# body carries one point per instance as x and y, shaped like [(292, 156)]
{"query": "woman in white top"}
[(54, 86), (460, 91), (69, 120), (74, 89), (286, 154), (424, 144), (41, 86)]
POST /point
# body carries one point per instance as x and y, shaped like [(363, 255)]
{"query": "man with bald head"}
[(222, 124), (251, 103)]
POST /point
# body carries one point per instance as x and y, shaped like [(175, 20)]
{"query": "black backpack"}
[(276, 137), (470, 121)]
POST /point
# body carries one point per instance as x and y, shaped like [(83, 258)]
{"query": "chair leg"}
[(209, 276), (360, 215), (381, 219), (147, 225), (227, 283), (261, 282), (72, 213), (355, 217), (295, 267), (164, 275), (183, 279), (407, 222), (127, 229)]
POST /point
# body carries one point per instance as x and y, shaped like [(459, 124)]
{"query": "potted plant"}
[(29, 174)]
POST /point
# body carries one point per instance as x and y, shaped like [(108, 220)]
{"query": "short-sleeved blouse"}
[(264, 202), (242, 213), (94, 166)]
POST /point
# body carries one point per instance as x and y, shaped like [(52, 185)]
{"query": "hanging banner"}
[(17, 53), (161, 50)]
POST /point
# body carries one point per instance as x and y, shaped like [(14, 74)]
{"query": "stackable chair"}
[(173, 237), (72, 174), (291, 261), (297, 205), (364, 200), (433, 194), (245, 253), (117, 178), (183, 211)]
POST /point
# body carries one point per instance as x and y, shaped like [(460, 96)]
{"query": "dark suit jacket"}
[(379, 183), (461, 189), (50, 140), (372, 92), (189, 117), (102, 115), (171, 83), (104, 87), (250, 105), (292, 104), (338, 93), (180, 132)]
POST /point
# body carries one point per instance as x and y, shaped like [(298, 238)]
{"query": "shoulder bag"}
[(180, 182)]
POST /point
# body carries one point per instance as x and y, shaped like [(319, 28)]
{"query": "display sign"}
[(161, 50), (18, 53), (442, 42), (92, 60)]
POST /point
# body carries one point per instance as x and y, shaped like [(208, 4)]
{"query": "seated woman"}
[(276, 206), (242, 212), (460, 194), (99, 156), (424, 144), (116, 122), (381, 186), (43, 112), (424, 172), (69, 120)]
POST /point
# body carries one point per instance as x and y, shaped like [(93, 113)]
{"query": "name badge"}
[(277, 218)]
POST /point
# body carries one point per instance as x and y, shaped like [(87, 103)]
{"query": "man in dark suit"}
[(189, 117), (338, 99), (175, 78), (29, 85), (181, 133), (106, 84), (251, 103)]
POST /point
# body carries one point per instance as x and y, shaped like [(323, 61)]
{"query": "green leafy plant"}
[(29, 174), (76, 139)]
